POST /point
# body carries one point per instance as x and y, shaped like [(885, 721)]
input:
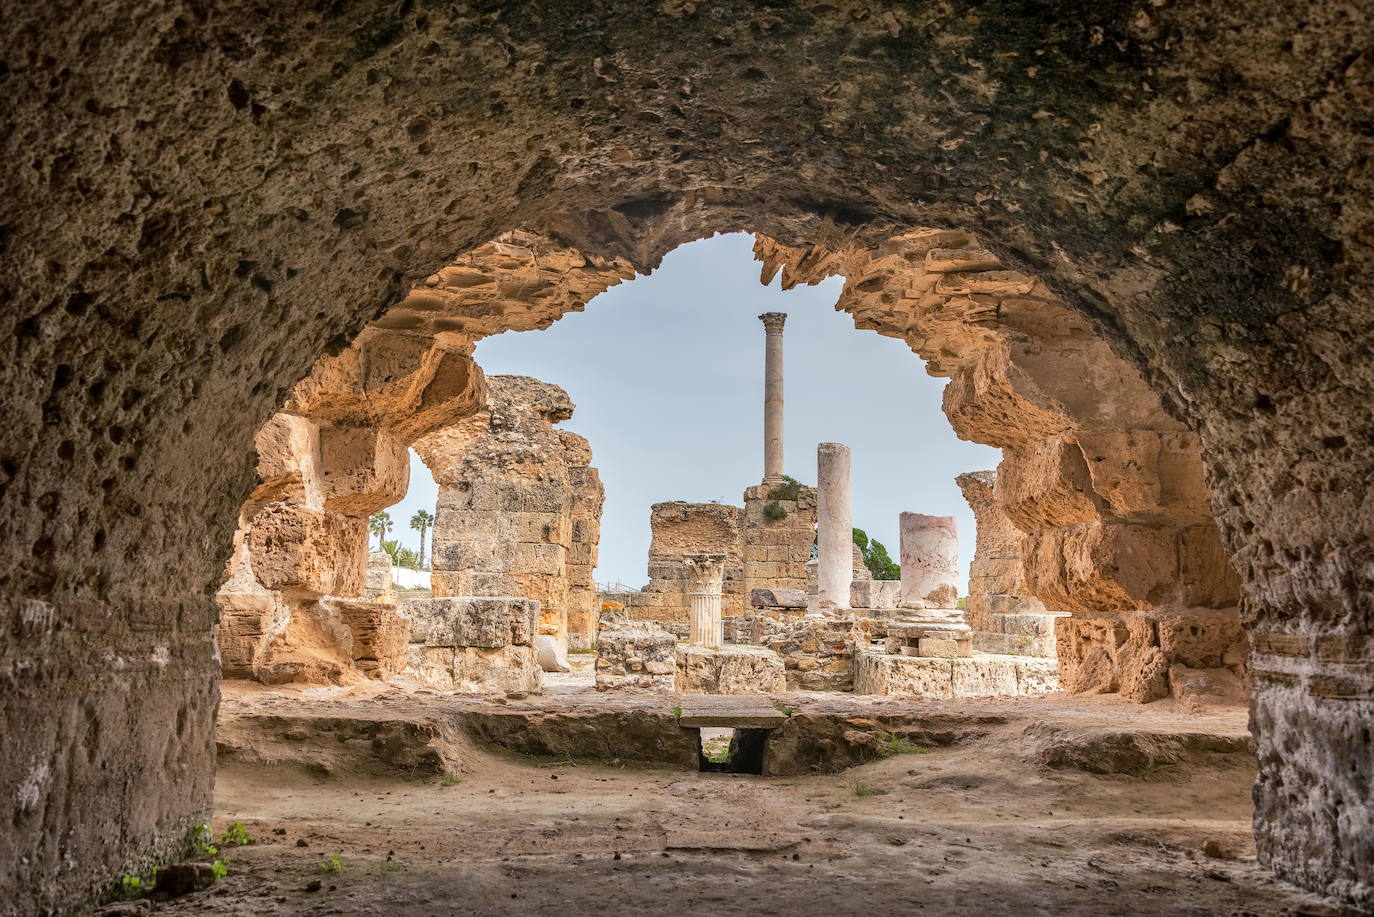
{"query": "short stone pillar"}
[(706, 576), (834, 529), (772, 396), (931, 624), (930, 561)]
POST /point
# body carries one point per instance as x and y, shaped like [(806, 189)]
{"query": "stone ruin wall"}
[(336, 452), (776, 551), (1004, 618), (589, 496), (1107, 487), (291, 605), (677, 529), (517, 504)]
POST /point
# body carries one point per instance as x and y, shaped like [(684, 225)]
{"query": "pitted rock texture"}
[(185, 232)]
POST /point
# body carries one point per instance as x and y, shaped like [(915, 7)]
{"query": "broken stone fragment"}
[(777, 598), (550, 655)]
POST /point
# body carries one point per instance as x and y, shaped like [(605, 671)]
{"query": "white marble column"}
[(706, 576), (834, 528), (930, 561), (772, 396)]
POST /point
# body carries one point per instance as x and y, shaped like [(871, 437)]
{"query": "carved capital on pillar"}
[(707, 572), (772, 322)]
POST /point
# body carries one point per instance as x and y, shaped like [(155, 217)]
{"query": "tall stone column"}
[(930, 561), (706, 573), (835, 528), (772, 396)]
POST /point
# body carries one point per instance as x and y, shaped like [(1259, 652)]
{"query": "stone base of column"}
[(932, 635)]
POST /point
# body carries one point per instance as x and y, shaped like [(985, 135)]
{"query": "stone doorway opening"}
[(725, 750)]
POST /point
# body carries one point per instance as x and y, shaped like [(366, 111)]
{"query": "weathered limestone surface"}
[(588, 498), (930, 561), (473, 643), (778, 529), (1005, 618), (517, 503), (379, 635), (875, 593), (333, 455), (1210, 224), (729, 670), (876, 672), (817, 655), (677, 530), (377, 582), (634, 654)]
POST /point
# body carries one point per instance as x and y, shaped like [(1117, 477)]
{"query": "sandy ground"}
[(978, 827)]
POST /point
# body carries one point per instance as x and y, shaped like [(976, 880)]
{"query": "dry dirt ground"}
[(1004, 816)]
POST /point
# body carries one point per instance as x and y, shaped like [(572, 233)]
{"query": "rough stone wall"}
[(589, 496), (677, 529), (1109, 491), (186, 232), (776, 550), (1004, 617), (504, 521), (995, 574), (334, 454)]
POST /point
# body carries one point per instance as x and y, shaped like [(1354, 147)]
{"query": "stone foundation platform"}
[(729, 670), (1019, 634), (893, 675)]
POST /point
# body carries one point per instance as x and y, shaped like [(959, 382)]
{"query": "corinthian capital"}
[(772, 322)]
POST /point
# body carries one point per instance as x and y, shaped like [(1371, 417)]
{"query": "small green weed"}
[(590, 650), (133, 886), (899, 746), (219, 869), (785, 710), (677, 713), (863, 789), (200, 840), (450, 780), (236, 835), (332, 865), (775, 510)]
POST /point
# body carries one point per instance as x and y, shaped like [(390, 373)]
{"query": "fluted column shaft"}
[(706, 575)]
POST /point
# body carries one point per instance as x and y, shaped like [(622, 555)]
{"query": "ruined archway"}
[(206, 201)]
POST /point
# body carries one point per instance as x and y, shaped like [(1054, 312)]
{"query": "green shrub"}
[(331, 865), (789, 489), (775, 510)]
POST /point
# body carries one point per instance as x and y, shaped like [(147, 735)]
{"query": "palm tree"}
[(379, 524), (421, 522)]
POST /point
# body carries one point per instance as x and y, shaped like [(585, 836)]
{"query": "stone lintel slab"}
[(729, 712)]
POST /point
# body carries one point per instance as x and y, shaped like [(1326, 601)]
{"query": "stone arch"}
[(206, 200)]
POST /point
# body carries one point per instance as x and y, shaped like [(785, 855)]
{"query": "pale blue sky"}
[(667, 375)]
